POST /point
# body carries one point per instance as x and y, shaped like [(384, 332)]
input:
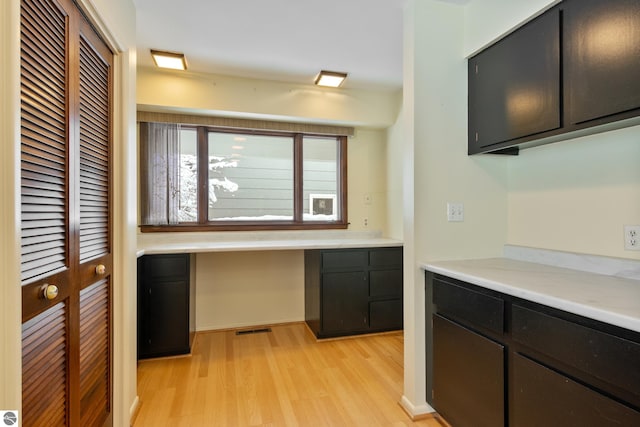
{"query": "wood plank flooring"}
[(280, 378)]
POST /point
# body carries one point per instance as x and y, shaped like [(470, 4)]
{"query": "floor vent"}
[(253, 331)]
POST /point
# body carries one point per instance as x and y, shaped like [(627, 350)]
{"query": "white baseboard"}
[(234, 326), (415, 411), (133, 410)]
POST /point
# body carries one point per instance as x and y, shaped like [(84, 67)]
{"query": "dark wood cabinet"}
[(353, 291), (164, 310), (570, 71), (514, 362), (545, 397), (514, 85), (468, 387), (345, 302), (602, 60)]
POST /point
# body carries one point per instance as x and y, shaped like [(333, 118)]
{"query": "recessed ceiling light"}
[(171, 60), (330, 78)]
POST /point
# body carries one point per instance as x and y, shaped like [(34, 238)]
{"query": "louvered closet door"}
[(95, 225), (66, 218)]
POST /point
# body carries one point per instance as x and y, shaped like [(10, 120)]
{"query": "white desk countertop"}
[(155, 244), (609, 299)]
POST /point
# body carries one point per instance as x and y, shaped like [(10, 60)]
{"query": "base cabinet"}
[(164, 309), (499, 360), (353, 291), (469, 385), (543, 397)]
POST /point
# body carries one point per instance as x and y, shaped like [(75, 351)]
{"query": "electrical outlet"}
[(455, 212), (365, 222), (632, 237)]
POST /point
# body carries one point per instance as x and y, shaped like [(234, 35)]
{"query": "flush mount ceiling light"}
[(171, 60), (330, 78)]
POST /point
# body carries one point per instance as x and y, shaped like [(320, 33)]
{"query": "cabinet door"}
[(602, 58), (386, 315), (166, 318), (345, 298), (543, 397), (468, 376), (514, 85)]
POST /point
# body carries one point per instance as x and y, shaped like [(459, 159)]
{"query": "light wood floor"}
[(281, 378)]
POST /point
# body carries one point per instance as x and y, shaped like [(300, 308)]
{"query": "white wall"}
[(435, 152), (238, 289), (160, 90), (394, 155), (367, 180), (10, 297), (488, 20), (577, 195), (116, 20)]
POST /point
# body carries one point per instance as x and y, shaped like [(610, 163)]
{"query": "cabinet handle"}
[(49, 292)]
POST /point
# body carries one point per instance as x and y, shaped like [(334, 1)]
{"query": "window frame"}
[(298, 223)]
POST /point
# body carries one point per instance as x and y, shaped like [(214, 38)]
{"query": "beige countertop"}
[(166, 243), (607, 298)]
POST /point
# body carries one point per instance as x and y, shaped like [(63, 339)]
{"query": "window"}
[(239, 180), (250, 177)]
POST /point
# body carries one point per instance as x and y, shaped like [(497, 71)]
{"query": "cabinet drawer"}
[(612, 359), (344, 259), (166, 267), (543, 397), (387, 257), (468, 306), (385, 283)]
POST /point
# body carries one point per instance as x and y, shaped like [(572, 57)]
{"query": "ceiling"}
[(282, 40)]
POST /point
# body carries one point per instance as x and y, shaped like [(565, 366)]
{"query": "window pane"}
[(188, 208), (250, 177), (320, 179)]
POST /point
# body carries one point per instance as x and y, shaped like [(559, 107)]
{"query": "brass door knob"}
[(100, 269), (50, 291)]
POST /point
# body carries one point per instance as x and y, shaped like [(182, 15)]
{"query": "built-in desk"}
[(242, 279)]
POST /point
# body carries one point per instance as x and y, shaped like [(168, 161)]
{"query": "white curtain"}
[(160, 185)]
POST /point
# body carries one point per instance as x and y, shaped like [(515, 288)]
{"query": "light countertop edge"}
[(608, 299), (263, 245)]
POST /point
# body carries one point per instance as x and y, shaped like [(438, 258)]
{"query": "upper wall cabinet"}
[(514, 85), (573, 68), (602, 55)]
